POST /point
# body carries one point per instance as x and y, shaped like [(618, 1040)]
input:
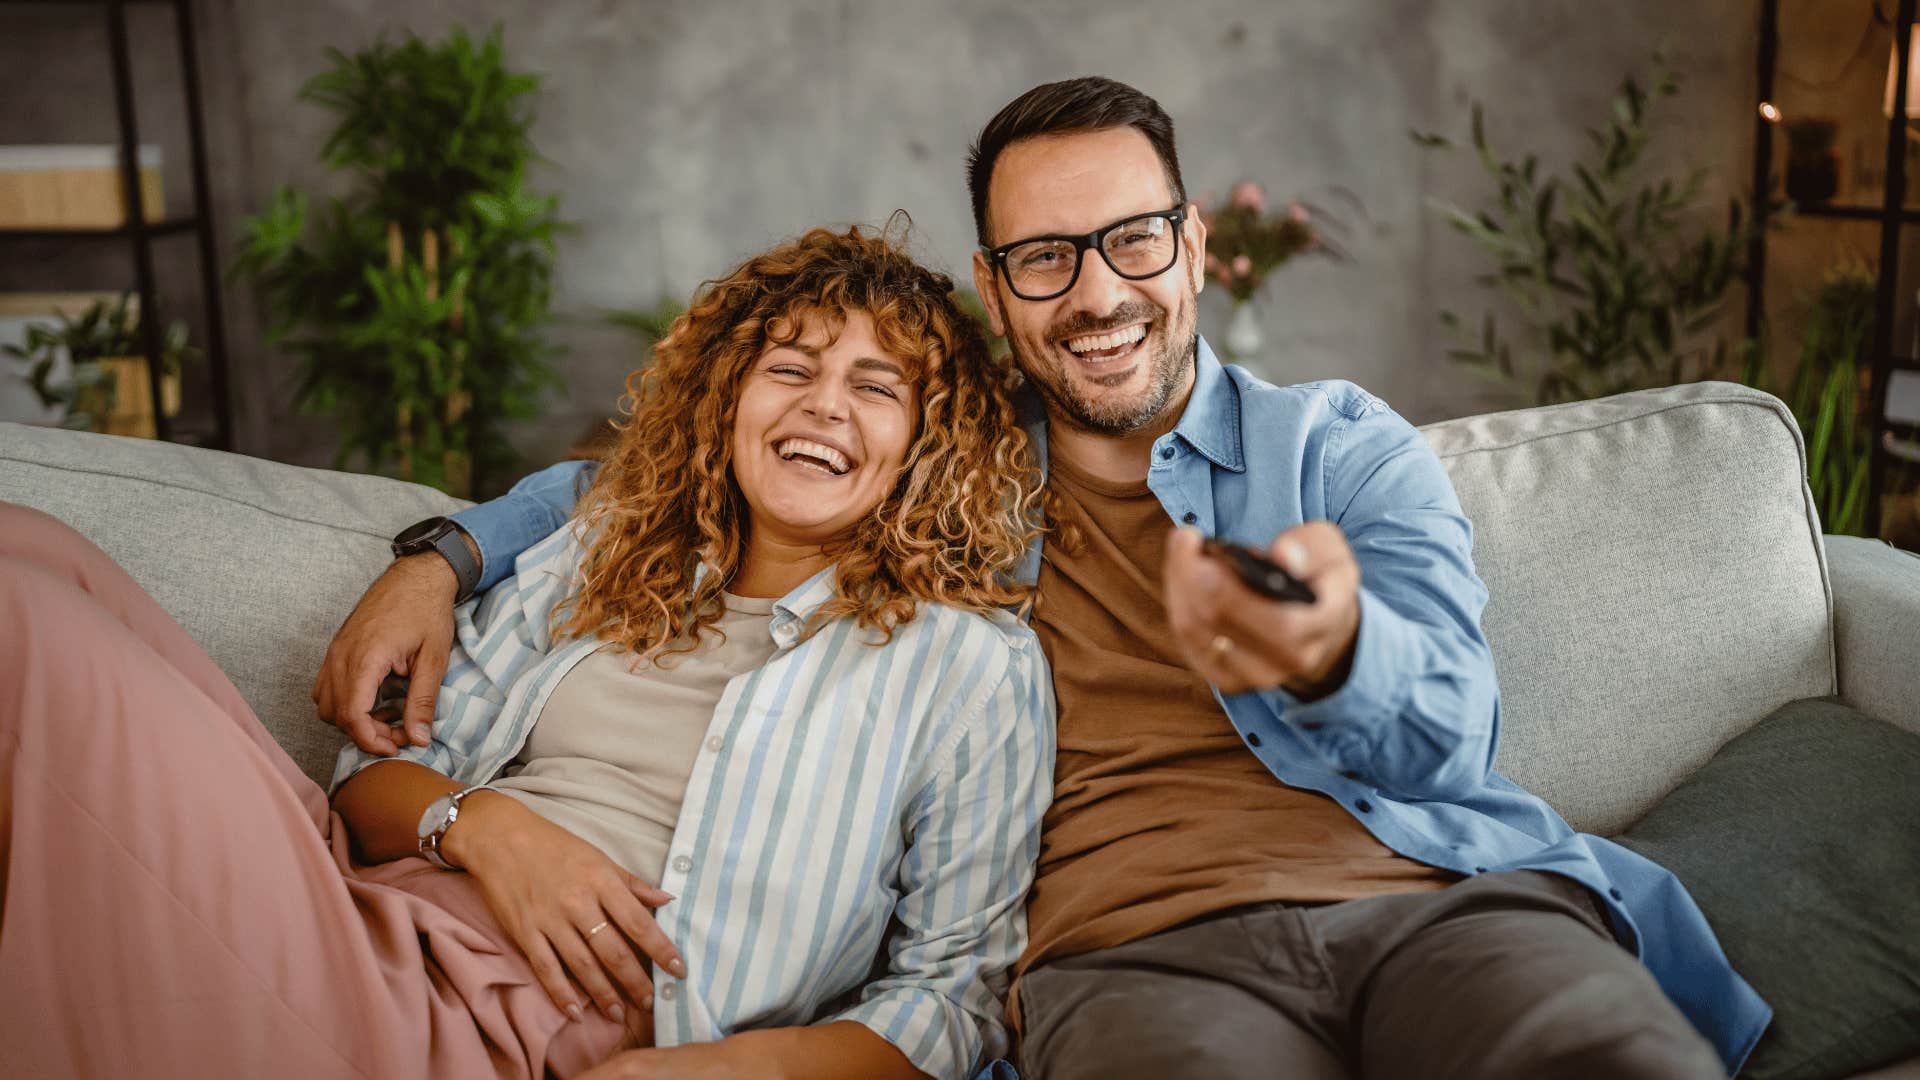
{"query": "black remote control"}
[(1260, 573)]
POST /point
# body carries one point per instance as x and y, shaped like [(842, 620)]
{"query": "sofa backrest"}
[(260, 561), (1656, 573), (1657, 584)]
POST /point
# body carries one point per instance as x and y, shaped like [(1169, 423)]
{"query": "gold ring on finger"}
[(1219, 647), (597, 929)]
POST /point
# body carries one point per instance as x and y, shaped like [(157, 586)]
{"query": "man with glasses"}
[(1277, 845)]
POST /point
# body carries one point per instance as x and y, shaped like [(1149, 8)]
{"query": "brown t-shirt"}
[(1160, 814)]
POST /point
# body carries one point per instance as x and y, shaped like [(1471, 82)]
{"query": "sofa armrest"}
[(1876, 627)]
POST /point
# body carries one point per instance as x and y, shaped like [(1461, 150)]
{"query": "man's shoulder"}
[(1338, 397)]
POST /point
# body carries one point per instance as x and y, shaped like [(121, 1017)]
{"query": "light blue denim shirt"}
[(1407, 744)]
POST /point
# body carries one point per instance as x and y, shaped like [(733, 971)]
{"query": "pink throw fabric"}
[(175, 897)]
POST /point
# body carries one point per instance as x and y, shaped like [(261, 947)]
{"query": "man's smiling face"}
[(1109, 355)]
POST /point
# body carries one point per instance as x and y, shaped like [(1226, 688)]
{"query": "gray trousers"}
[(1501, 975)]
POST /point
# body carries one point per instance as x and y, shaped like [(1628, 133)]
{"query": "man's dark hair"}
[(1070, 107)]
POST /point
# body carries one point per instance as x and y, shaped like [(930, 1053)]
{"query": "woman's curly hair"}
[(952, 529)]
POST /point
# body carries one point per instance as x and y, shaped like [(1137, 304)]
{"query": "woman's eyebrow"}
[(870, 363)]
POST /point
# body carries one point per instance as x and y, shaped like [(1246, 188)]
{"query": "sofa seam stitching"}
[(197, 491)]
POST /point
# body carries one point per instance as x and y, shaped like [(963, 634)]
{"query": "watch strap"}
[(444, 535), (451, 542)]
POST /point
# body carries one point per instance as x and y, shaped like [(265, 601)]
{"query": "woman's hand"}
[(571, 909)]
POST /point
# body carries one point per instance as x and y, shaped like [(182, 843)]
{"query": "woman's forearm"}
[(382, 804), (835, 1051)]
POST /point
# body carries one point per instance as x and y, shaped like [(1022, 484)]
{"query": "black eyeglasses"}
[(1043, 267)]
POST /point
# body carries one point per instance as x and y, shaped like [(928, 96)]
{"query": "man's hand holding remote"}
[(1239, 640)]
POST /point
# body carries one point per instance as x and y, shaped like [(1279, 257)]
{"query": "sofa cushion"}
[(1800, 841), (259, 561), (1656, 578)]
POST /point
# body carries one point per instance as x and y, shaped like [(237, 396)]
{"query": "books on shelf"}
[(73, 187)]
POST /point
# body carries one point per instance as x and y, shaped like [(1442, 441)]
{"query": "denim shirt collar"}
[(1210, 424)]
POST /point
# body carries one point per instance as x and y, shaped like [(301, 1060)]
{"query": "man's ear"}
[(983, 283), (1194, 236)]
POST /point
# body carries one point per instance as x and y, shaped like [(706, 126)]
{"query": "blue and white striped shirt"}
[(859, 830)]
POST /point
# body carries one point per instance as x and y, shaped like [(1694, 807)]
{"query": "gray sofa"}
[(1659, 579)]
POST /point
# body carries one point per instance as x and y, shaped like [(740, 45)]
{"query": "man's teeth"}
[(1093, 343), (813, 455)]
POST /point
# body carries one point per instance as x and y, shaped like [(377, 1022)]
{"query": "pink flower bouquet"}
[(1245, 243)]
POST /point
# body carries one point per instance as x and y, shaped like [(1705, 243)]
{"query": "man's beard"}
[(1167, 369)]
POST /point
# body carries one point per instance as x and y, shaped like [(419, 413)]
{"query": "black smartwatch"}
[(450, 540)]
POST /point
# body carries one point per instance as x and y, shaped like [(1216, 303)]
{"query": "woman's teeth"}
[(816, 456), (1106, 346)]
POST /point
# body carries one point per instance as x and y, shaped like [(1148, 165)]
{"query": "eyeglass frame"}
[(1176, 217)]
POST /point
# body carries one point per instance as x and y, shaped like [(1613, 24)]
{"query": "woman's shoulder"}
[(998, 631)]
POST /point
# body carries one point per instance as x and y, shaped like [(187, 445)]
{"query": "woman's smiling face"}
[(821, 431)]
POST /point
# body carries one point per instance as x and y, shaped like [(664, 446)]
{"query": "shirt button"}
[(1351, 774), (682, 864), (669, 991), (1189, 517), (1615, 893), (1166, 453), (1363, 806), (1253, 738), (715, 743)]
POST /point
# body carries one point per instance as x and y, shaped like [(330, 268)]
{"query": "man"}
[(1277, 846)]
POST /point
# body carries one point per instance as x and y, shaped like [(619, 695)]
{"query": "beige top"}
[(609, 758)]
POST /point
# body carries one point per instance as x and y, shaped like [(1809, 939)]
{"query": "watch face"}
[(420, 534), (435, 816)]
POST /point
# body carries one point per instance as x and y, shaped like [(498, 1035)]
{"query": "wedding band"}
[(597, 929), (1220, 646)]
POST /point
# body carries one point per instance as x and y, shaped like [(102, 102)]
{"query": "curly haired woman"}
[(755, 719)]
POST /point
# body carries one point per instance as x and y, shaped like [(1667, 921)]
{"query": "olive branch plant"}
[(1616, 284)]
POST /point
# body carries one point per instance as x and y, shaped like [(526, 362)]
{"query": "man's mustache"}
[(1082, 323)]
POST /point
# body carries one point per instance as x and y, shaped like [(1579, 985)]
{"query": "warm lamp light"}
[(1913, 75)]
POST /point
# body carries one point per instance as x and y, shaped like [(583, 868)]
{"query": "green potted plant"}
[(417, 304), (1614, 280), (1828, 393), (108, 389)]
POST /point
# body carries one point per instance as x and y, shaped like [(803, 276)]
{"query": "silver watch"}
[(440, 816)]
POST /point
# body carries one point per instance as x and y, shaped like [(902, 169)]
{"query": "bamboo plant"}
[(417, 304)]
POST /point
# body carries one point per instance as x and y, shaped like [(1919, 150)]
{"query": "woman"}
[(755, 715)]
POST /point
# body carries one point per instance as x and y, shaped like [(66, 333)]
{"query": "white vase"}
[(1243, 338)]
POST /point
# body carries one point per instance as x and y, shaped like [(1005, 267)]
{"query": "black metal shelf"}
[(169, 227), (1841, 211), (139, 233)]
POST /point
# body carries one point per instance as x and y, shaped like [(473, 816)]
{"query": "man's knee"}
[(1652, 1051)]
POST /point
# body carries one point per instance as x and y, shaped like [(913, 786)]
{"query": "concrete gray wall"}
[(686, 134)]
